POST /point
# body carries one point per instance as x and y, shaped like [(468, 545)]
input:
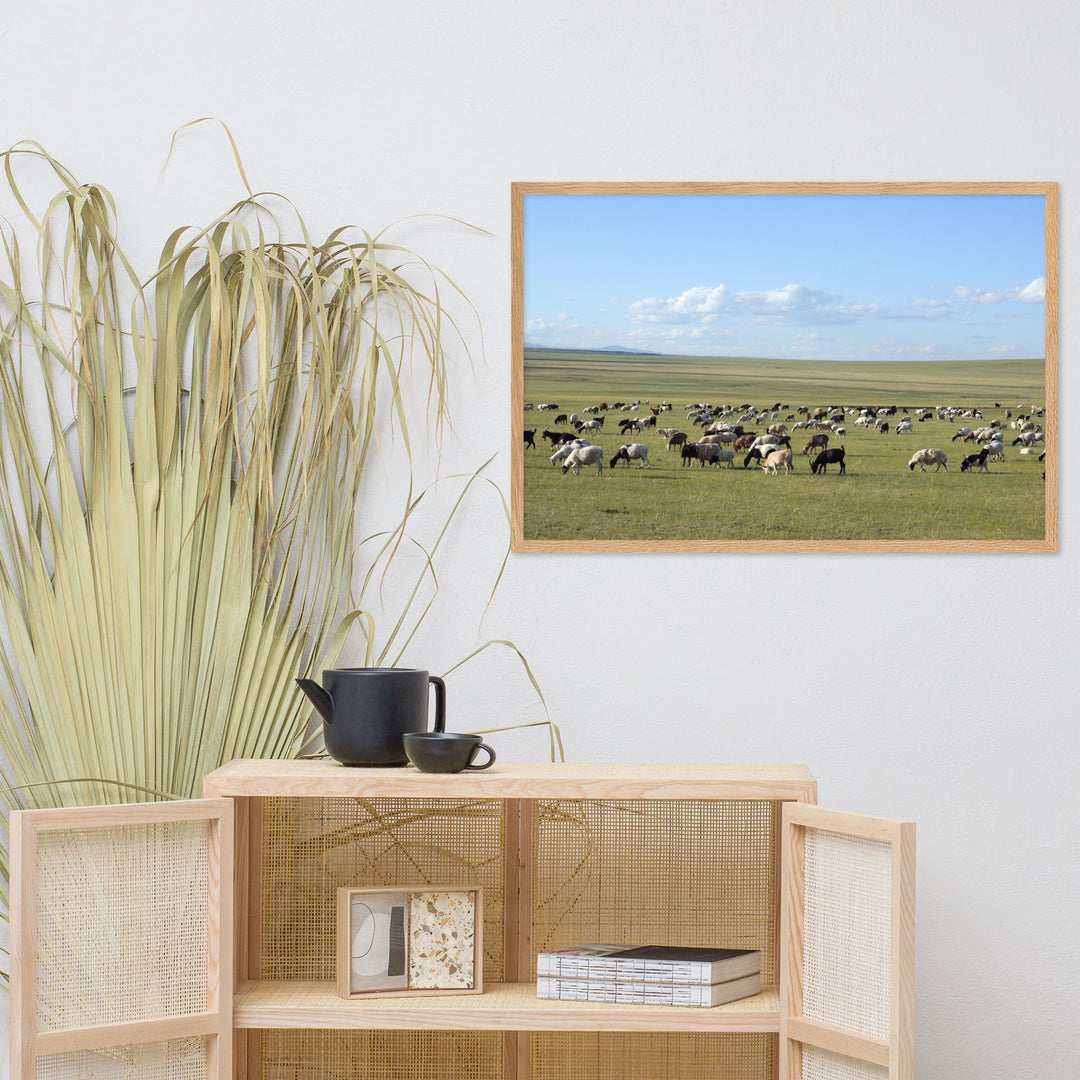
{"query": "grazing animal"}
[(976, 461), (632, 452), (835, 456), (703, 453), (591, 425), (584, 455), (996, 450), (905, 427), (759, 453), (766, 440), (820, 440), (676, 438), (530, 439), (1029, 438), (744, 442), (566, 449), (961, 432), (922, 458), (778, 459), (561, 418), (559, 437)]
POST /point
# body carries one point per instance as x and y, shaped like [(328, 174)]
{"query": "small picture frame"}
[(416, 940)]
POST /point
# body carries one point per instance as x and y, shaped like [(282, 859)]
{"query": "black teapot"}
[(367, 711)]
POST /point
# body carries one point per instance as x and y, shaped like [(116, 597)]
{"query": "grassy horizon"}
[(880, 498), (820, 382)]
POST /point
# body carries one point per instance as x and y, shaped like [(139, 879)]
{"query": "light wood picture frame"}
[(452, 938), (849, 305)]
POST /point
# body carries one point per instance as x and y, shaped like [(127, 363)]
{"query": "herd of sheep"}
[(725, 434)]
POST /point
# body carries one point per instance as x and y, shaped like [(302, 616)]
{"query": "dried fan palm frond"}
[(180, 462)]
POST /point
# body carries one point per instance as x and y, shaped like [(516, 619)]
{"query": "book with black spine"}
[(649, 963), (686, 995)]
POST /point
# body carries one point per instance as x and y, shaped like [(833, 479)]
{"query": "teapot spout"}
[(318, 697)]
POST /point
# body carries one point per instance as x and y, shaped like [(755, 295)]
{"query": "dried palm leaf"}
[(180, 462)]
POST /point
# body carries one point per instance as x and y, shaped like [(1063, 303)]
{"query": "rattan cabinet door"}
[(847, 946), (121, 942)]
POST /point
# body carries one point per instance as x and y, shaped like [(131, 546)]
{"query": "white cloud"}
[(1032, 293), (705, 304)]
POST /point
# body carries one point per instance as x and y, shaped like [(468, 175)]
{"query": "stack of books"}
[(648, 974)]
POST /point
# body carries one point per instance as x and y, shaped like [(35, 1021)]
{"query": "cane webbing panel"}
[(299, 1054), (121, 923), (313, 846), (637, 872), (818, 1064), (565, 1055), (846, 932), (177, 1059)]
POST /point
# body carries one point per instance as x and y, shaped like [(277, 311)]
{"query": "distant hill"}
[(605, 349)]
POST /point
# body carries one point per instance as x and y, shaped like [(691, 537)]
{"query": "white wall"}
[(941, 689)]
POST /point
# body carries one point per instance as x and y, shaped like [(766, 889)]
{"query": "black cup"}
[(445, 751)]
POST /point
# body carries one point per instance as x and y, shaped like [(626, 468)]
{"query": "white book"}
[(649, 963), (646, 993)]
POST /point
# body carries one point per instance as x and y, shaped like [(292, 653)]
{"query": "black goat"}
[(829, 457), (976, 461), (530, 439), (559, 437)]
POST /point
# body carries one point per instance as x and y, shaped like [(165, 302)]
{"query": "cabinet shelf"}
[(323, 778), (502, 1007)]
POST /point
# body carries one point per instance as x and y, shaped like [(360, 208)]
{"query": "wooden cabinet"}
[(707, 854)]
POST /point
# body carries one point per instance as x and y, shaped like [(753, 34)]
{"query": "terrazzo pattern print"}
[(441, 940)]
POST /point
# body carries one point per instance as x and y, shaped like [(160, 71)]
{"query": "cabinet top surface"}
[(514, 780)]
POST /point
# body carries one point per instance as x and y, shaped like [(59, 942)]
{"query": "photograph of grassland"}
[(784, 371)]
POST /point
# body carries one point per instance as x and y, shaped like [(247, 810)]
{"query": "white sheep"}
[(632, 452), (564, 451), (584, 455), (765, 440), (922, 458)]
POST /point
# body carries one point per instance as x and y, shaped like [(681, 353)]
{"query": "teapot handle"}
[(440, 702)]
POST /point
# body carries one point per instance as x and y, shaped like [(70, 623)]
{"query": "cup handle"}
[(440, 702), (487, 764)]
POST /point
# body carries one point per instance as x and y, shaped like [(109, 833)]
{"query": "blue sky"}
[(836, 277)]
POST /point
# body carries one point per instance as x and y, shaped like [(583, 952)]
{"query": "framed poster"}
[(412, 940), (784, 367)]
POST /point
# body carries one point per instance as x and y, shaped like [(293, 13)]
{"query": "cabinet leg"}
[(247, 1054), (517, 1055)]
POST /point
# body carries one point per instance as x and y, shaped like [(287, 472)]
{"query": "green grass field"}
[(879, 499)]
